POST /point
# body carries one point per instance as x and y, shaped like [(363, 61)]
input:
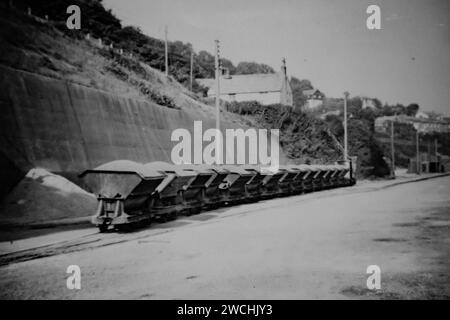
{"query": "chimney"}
[(283, 67)]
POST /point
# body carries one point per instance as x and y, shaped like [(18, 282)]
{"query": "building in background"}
[(422, 124), (266, 88), (429, 163), (314, 98), (368, 103)]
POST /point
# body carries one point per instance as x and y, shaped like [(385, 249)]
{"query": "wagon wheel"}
[(173, 216), (124, 227), (103, 227)]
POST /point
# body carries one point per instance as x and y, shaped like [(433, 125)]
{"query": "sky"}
[(325, 41)]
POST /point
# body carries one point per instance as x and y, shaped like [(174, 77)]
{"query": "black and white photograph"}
[(224, 154)]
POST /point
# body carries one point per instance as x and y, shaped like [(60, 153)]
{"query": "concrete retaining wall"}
[(67, 128)]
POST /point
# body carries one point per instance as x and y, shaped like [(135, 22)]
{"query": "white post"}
[(418, 162), (167, 52), (346, 94), (217, 65), (392, 150), (192, 69)]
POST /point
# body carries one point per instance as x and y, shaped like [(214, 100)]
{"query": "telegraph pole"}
[(435, 147), (192, 69), (418, 153), (346, 94), (392, 151), (167, 52), (217, 65)]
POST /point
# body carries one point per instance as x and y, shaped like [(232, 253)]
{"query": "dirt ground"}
[(315, 246)]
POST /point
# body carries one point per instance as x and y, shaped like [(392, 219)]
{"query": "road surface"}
[(315, 246)]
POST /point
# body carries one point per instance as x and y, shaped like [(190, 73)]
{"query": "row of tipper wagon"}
[(131, 194)]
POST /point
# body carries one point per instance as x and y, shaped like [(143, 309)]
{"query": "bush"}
[(244, 107)]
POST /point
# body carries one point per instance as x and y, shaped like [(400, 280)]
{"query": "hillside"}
[(69, 104), (46, 48)]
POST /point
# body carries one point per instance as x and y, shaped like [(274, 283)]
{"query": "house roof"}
[(311, 92), (248, 83)]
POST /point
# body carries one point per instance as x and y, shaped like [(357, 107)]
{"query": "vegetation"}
[(103, 24), (371, 146), (298, 86), (303, 137)]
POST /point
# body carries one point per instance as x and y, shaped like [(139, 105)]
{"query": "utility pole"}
[(167, 52), (192, 69), (418, 153), (346, 94), (392, 151), (435, 147), (217, 65)]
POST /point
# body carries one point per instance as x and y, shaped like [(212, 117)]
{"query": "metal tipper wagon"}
[(253, 186), (270, 187), (327, 172), (286, 182), (233, 187), (168, 200), (194, 193), (306, 177), (212, 196), (297, 181), (124, 191)]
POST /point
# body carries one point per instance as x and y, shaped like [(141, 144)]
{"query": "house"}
[(368, 103), (422, 115), (421, 124), (430, 115), (266, 88), (314, 98), (429, 163)]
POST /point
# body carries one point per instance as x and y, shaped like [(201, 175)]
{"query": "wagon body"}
[(194, 194), (234, 185), (169, 200), (123, 190), (334, 181), (297, 181), (213, 195), (317, 177), (286, 183), (326, 176), (270, 185), (253, 186)]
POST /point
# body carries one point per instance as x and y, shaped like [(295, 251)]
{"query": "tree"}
[(253, 68), (227, 64), (412, 109), (206, 64), (298, 86)]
